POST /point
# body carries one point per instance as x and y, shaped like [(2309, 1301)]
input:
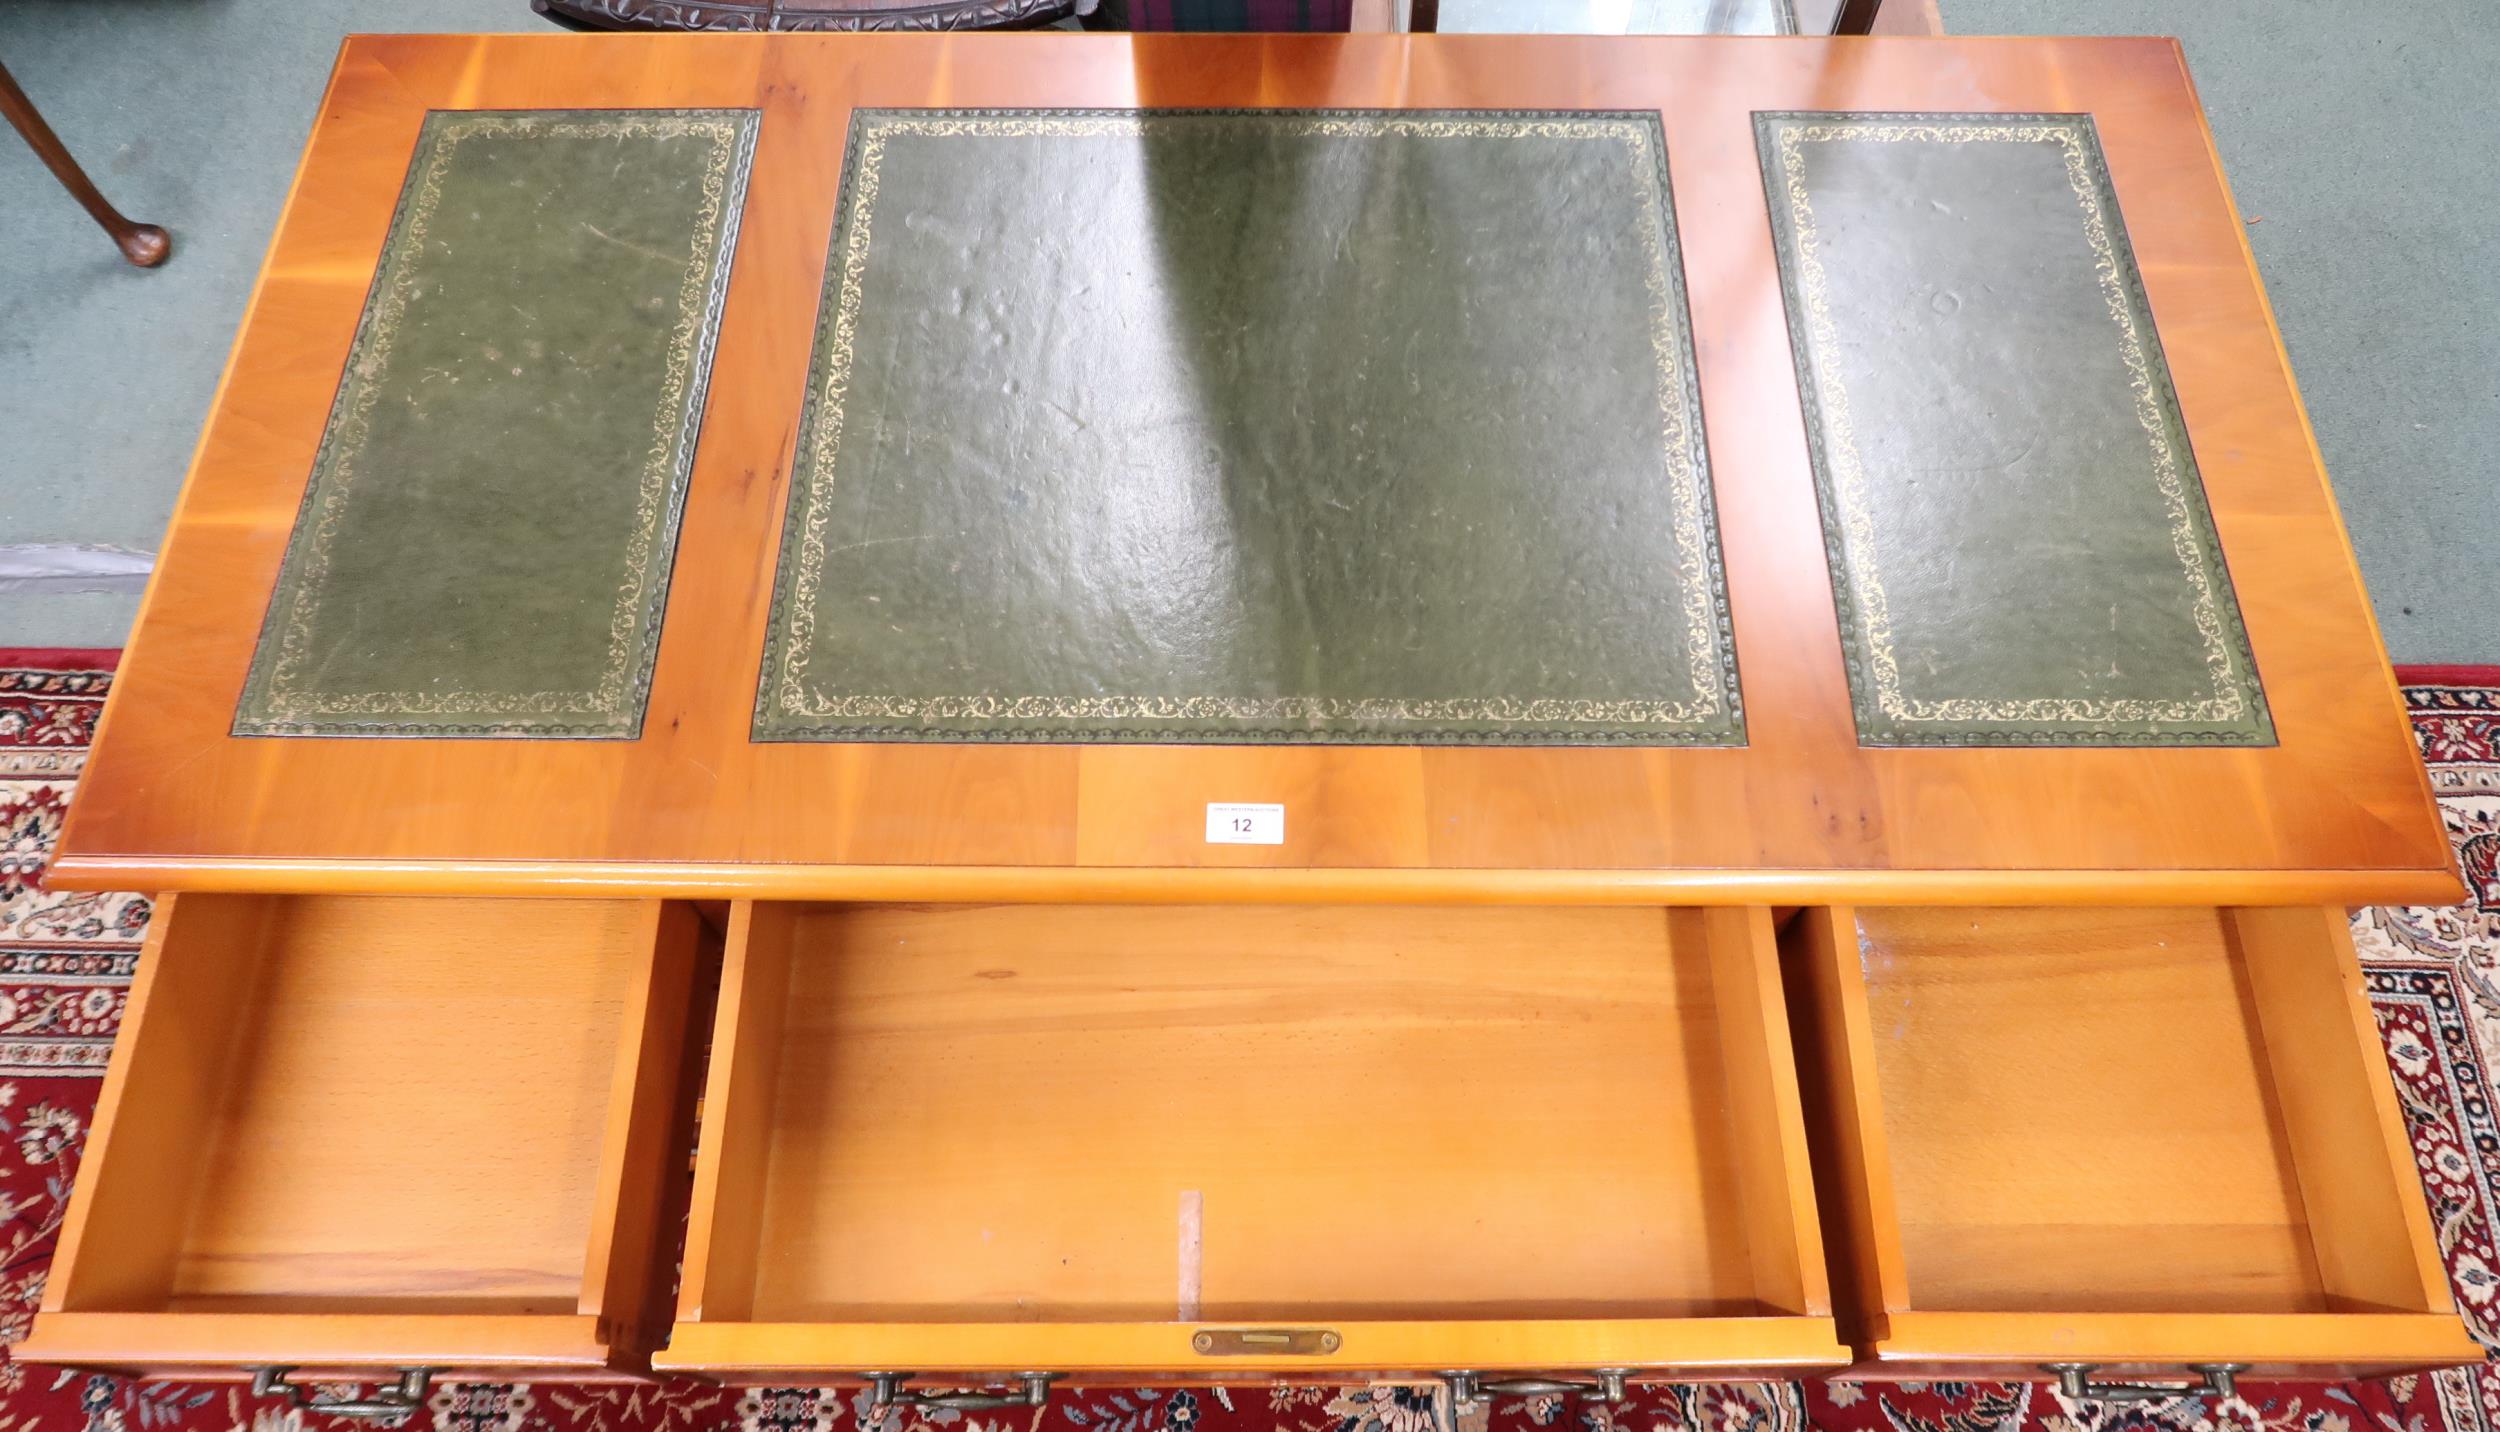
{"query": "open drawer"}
[(2123, 1141), (352, 1134), (1225, 1143)]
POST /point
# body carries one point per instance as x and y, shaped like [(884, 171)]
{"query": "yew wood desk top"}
[(2315, 796)]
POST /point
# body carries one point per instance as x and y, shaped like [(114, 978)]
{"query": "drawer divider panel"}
[(1763, 1114), (1844, 1117), (642, 1157), (734, 1147)]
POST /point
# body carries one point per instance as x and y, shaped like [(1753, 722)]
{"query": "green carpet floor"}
[(2362, 134), (189, 114), (2363, 143)]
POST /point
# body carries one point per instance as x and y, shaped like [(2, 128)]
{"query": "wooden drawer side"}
[(1842, 1113), (733, 1146), (644, 1185), (122, 1234), (2330, 1078), (1784, 1236)]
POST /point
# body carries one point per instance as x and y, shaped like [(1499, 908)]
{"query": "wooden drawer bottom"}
[(2137, 1139)]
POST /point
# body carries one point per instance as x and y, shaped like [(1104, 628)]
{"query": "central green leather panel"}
[(2020, 544), (1167, 426), (484, 544)]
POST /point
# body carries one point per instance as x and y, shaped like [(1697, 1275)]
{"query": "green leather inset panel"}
[(484, 546), (1283, 425), (2019, 540)]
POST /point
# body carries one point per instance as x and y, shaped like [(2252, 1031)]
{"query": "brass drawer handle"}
[(1469, 1388), (2075, 1384), (387, 1404), (885, 1389), (1251, 1342)]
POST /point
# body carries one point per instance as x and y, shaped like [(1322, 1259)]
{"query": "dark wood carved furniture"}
[(1745, 17), (803, 16)]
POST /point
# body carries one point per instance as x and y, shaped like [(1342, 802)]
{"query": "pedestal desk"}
[(1525, 710)]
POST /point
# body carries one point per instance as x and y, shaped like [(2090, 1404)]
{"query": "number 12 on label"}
[(1238, 823)]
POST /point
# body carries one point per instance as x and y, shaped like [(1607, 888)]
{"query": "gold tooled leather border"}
[(273, 704), (2233, 710), (790, 707)]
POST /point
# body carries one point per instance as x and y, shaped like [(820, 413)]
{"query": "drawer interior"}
[(375, 1105), (1014, 1114), (2071, 1112), (2082, 1113)]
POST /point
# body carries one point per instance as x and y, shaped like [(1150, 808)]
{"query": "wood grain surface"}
[(248, 1194), (1348, 1117), (2132, 1137), (2339, 811)]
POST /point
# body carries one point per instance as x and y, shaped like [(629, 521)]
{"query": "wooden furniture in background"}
[(1907, 17), (1803, 17), (144, 245), (1488, 1068), (801, 16)]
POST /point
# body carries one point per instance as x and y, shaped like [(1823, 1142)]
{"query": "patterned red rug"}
[(66, 960)]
